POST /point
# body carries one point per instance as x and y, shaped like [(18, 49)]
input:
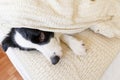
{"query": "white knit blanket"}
[(66, 16)]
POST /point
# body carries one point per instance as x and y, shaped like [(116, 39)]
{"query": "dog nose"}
[(55, 60)]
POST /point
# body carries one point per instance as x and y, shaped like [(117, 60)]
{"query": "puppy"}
[(34, 39)]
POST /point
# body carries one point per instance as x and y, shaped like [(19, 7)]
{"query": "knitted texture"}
[(101, 52), (66, 16)]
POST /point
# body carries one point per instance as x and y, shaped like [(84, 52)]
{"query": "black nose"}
[(55, 60)]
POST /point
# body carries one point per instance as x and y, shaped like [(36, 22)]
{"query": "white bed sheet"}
[(113, 72)]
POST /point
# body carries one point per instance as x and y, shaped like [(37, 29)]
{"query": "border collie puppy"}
[(34, 39)]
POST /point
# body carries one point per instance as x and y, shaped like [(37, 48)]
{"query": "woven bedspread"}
[(99, 56)]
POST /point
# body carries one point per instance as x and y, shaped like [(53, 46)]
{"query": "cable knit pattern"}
[(66, 16)]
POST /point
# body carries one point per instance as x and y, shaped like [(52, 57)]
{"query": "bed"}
[(100, 63)]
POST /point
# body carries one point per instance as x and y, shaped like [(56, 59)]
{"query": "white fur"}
[(107, 29), (48, 50), (76, 46)]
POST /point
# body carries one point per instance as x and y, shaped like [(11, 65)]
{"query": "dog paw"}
[(79, 48), (107, 29), (74, 44), (104, 29)]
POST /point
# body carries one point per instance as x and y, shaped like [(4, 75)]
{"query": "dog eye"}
[(42, 37)]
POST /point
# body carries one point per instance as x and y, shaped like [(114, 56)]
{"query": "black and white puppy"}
[(34, 39)]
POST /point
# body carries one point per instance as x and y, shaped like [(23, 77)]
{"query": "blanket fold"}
[(65, 16)]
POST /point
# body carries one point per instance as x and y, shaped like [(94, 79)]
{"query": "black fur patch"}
[(34, 35)]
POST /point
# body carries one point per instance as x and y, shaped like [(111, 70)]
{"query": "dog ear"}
[(5, 44), (5, 47), (42, 36)]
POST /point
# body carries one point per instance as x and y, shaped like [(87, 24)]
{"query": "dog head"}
[(28, 39)]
